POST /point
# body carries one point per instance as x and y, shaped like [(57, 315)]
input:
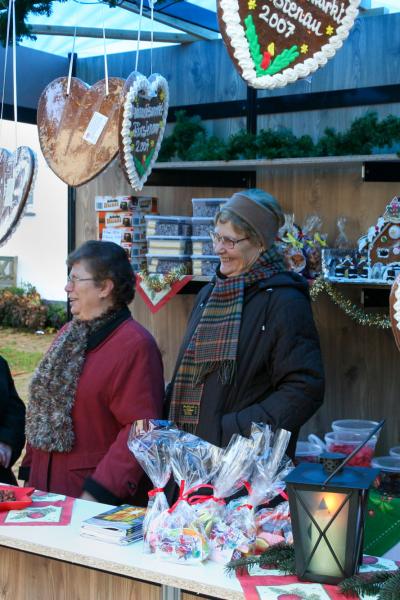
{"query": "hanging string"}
[(5, 62), (15, 76), (152, 3), (138, 37), (105, 53), (71, 62)]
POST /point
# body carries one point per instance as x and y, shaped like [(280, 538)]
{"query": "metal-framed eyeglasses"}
[(227, 242), (75, 279)]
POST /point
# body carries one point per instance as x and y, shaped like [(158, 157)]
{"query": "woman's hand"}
[(5, 455)]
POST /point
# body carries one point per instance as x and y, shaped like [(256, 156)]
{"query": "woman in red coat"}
[(102, 373)]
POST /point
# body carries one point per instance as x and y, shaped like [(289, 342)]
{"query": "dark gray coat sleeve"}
[(293, 364), (12, 413)]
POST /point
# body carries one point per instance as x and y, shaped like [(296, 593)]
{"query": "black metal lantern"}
[(328, 514)]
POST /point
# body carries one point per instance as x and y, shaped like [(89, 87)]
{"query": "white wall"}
[(40, 241)]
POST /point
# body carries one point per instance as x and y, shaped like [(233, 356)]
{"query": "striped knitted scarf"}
[(214, 343)]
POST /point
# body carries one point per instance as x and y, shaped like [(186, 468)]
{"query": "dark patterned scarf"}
[(214, 343), (53, 386)]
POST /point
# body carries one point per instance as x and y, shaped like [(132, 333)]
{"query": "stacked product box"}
[(121, 219), (169, 243), (204, 261)]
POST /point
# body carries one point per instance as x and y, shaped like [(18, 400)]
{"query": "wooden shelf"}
[(278, 162)]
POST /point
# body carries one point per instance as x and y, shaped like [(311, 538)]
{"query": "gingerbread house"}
[(384, 242)]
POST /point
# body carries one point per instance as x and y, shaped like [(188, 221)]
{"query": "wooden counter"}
[(56, 563)]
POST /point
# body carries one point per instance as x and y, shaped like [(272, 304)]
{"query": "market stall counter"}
[(50, 562)]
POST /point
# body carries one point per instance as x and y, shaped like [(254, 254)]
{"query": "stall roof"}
[(175, 21)]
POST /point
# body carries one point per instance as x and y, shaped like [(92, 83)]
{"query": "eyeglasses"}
[(74, 279), (227, 242)]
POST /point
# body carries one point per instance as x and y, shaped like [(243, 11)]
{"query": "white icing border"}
[(141, 83), (15, 224), (240, 46)]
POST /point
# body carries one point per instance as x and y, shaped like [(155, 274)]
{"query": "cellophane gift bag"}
[(236, 466), (151, 442), (262, 486), (179, 535)]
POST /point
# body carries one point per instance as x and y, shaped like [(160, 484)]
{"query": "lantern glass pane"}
[(323, 506)]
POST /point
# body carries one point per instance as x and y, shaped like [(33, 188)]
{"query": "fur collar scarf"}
[(53, 386)]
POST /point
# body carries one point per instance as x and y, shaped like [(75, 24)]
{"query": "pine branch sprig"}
[(280, 556), (372, 584)]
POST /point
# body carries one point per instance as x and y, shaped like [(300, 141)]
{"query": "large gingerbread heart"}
[(78, 132), (394, 304), (276, 42), (142, 123), (17, 175)]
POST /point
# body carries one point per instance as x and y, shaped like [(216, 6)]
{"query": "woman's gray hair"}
[(106, 260), (241, 227)]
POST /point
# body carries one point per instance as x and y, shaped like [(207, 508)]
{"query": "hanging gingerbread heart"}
[(78, 132), (142, 123), (17, 176), (276, 42), (394, 304)]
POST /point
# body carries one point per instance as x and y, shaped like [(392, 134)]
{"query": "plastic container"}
[(395, 451), (168, 225), (389, 477), (346, 441), (138, 249), (207, 207), (204, 265), (307, 452), (165, 264), (355, 425), (172, 245), (202, 244), (201, 226)]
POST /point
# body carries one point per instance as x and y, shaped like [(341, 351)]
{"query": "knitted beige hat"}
[(260, 210)]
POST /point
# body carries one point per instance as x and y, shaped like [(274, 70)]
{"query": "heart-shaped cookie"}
[(17, 176), (394, 304), (142, 123), (276, 42), (78, 132)]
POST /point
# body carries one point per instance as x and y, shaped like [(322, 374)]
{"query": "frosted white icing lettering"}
[(142, 146), (140, 130), (294, 11), (143, 112), (332, 8), (95, 128)]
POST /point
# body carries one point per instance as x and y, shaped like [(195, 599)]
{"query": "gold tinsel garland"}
[(353, 311), (157, 282)]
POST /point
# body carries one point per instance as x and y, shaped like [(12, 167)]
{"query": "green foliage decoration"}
[(189, 141), (283, 60)]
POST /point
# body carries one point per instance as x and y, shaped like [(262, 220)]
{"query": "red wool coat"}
[(121, 381)]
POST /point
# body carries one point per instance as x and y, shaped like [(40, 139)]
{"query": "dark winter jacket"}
[(280, 378), (12, 420)]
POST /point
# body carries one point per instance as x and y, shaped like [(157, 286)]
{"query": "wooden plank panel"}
[(26, 576)]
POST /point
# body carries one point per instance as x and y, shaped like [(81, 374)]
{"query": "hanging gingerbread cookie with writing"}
[(276, 42), (142, 123)]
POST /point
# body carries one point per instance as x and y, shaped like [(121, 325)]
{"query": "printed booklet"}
[(119, 525)]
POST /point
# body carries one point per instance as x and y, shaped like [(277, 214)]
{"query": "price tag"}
[(95, 128)]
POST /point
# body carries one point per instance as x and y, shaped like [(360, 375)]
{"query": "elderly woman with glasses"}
[(102, 372), (251, 351)]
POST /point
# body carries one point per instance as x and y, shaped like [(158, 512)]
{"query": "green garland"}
[(383, 584), (353, 311), (190, 141), (157, 282)]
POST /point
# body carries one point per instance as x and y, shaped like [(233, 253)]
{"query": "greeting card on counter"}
[(46, 509)]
